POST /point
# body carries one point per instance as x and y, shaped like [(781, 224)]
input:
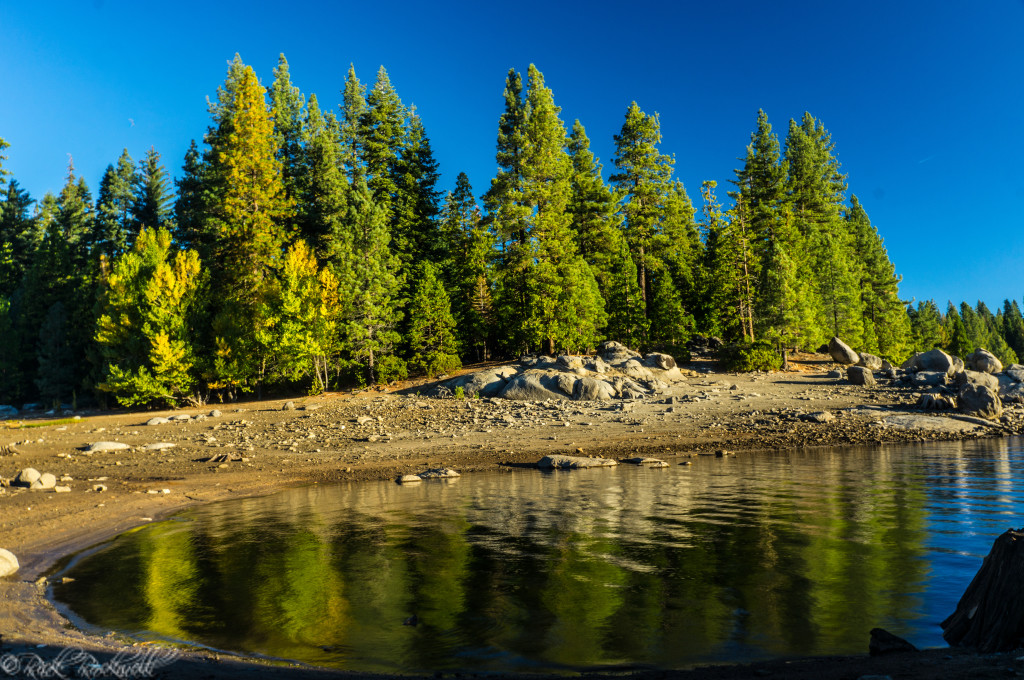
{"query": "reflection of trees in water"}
[(788, 553)]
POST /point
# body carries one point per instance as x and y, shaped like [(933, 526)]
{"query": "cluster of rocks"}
[(433, 473), (30, 478), (184, 418), (976, 385), (616, 372)]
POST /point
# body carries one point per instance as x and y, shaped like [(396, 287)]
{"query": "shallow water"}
[(778, 554)]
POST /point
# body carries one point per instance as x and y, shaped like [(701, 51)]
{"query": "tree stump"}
[(990, 615)]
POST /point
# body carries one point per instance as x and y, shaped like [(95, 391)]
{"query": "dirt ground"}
[(255, 448)]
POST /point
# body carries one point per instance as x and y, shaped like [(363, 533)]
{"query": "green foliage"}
[(746, 357), (390, 369), (432, 328), (460, 393)]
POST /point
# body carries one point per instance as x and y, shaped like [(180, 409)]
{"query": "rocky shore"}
[(119, 470)]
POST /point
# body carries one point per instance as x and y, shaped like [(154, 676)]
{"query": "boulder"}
[(658, 360), (288, 406), (980, 401), (1015, 374), (958, 364), (159, 446), (935, 360), (983, 361), (566, 383), (556, 462), (818, 417), (592, 389), (908, 421), (841, 353), (8, 563), (1013, 394), (858, 375), (7, 412), (886, 366), (45, 481), (911, 363), (615, 352), (566, 362), (432, 473), (157, 421), (870, 361), (597, 365), (936, 401), (27, 477), (925, 379), (532, 386), (483, 384), (215, 413), (975, 378), (834, 375), (634, 369)]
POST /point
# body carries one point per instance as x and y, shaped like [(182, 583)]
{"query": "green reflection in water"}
[(729, 559)]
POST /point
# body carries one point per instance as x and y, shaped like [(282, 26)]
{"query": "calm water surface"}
[(763, 555)]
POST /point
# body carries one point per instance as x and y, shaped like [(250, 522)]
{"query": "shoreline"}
[(745, 414)]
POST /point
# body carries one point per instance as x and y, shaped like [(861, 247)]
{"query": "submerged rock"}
[(433, 473), (558, 462), (646, 462)]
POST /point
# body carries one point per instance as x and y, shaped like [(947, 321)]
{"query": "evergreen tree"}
[(593, 207), (627, 315), (115, 208), (350, 135), (974, 327), (55, 378), (1013, 327), (323, 191), (382, 128), (955, 335), (286, 104), (926, 326), (432, 329), (415, 206), (189, 214), (152, 202), (20, 236)]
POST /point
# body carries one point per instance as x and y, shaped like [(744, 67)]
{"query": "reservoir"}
[(726, 559)]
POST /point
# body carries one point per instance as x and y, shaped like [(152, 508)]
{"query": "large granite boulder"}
[(980, 401), (637, 371), (975, 378), (532, 386), (657, 360), (983, 361), (1015, 374), (869, 361), (858, 375), (934, 360), (923, 379), (841, 353), (483, 384), (1012, 393), (592, 389), (615, 352), (566, 362)]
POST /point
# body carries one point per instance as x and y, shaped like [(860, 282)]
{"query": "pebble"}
[(215, 413)]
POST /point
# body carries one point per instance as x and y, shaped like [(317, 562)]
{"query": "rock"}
[(884, 642), (215, 413), (980, 401), (363, 420), (62, 489), (558, 462), (819, 417), (592, 389), (647, 462), (310, 407), (27, 477), (532, 386), (1014, 374), (8, 563), (615, 352), (983, 361), (886, 366), (433, 473), (936, 401), (923, 379), (45, 481), (484, 384), (597, 365), (181, 418), (657, 360), (7, 412), (157, 421), (159, 446), (934, 360), (928, 423), (841, 353), (858, 375), (566, 383), (634, 369), (958, 364), (99, 488), (975, 378), (870, 362), (97, 447), (568, 363), (288, 406), (1013, 394), (834, 375)]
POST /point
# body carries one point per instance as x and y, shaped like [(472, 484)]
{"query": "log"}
[(990, 615)]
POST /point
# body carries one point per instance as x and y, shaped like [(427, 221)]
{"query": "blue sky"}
[(924, 100)]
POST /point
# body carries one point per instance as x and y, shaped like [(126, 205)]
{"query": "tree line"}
[(312, 246)]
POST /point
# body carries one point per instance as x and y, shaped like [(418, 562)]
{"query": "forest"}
[(310, 248)]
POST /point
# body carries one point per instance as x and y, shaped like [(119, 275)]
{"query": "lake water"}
[(764, 555)]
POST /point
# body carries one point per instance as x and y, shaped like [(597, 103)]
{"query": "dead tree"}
[(990, 615)]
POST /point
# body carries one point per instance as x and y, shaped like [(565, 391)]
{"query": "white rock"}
[(62, 489), (647, 462), (159, 446), (27, 477), (573, 462), (107, 446), (8, 563), (157, 421)]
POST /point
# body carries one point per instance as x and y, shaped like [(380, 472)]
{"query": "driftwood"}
[(990, 615)]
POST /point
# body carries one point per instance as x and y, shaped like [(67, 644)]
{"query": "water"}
[(792, 553)]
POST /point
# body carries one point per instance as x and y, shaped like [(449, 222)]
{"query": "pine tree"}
[(432, 328), (1013, 327), (115, 208), (382, 128), (247, 210), (593, 207), (152, 199), (55, 379), (642, 176), (787, 309), (370, 327), (20, 236), (926, 326), (350, 135), (627, 315), (190, 231), (955, 335), (415, 206), (323, 191), (286, 104)]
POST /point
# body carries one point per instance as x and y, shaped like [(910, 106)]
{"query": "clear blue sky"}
[(924, 100)]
